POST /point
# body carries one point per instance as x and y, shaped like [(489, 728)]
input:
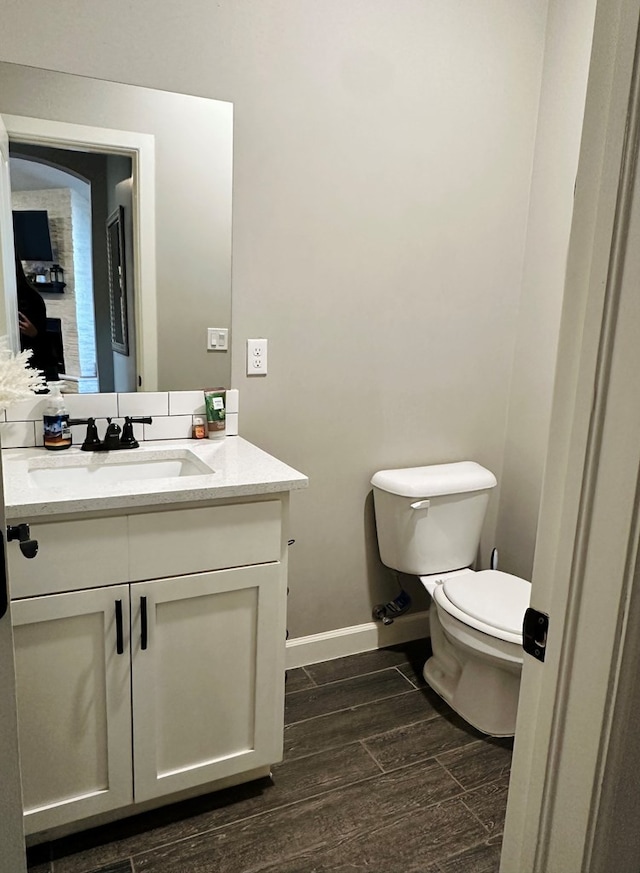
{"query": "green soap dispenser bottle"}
[(57, 433)]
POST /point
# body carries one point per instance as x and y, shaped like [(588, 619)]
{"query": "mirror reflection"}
[(140, 227), (73, 232)]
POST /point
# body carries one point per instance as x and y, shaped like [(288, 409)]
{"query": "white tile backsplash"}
[(78, 433), (28, 410), (172, 413), (174, 427), (144, 403), (231, 424), (18, 434), (232, 400), (186, 403), (92, 405)]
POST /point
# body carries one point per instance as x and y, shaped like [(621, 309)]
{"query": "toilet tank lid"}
[(435, 480)]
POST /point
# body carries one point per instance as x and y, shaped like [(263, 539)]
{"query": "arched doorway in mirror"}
[(81, 193)]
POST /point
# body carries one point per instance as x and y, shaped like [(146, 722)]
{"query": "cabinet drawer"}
[(208, 538), (72, 555)]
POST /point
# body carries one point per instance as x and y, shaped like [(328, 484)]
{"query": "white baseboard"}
[(353, 640)]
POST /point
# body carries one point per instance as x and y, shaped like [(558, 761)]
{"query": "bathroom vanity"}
[(150, 627)]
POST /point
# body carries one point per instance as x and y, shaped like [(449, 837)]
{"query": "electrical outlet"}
[(256, 357), (217, 339)]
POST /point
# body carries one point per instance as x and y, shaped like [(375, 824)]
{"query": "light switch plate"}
[(217, 339)]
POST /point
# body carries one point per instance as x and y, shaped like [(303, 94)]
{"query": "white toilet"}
[(429, 521)]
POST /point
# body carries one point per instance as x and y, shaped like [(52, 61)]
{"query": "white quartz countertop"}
[(240, 469)]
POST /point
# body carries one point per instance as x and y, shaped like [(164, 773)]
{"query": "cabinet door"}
[(208, 676), (74, 704)]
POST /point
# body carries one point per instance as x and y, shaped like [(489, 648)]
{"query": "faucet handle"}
[(91, 441), (128, 440)]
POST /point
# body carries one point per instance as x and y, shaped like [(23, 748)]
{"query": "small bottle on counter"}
[(56, 430), (198, 430)]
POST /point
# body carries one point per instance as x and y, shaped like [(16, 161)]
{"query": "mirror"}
[(173, 205)]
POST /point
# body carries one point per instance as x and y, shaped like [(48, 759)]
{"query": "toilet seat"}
[(489, 601)]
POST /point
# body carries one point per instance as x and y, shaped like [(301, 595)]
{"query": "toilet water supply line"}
[(386, 612)]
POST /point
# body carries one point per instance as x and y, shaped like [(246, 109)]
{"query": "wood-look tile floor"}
[(378, 776)]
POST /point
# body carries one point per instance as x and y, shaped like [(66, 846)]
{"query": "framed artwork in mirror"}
[(117, 281)]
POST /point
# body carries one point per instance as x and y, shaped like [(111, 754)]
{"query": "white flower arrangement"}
[(18, 381)]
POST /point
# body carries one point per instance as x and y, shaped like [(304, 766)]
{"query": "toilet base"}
[(483, 690)]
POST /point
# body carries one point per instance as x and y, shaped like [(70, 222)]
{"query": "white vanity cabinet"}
[(74, 705), (164, 682), (205, 692)]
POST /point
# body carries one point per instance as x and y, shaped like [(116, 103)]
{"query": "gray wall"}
[(569, 35), (383, 158)]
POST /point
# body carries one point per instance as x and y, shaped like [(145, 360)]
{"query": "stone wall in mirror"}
[(134, 187)]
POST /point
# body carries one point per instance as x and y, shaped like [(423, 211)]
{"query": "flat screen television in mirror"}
[(31, 235)]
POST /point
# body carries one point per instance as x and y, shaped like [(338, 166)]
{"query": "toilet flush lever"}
[(421, 504)]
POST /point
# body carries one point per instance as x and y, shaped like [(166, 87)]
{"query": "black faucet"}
[(128, 440), (92, 442), (114, 438)]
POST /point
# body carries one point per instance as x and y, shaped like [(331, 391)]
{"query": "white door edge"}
[(12, 848), (583, 570)]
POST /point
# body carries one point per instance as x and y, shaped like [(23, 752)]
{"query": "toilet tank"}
[(429, 519)]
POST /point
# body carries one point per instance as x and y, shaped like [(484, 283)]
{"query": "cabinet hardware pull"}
[(119, 628), (21, 532), (143, 623)]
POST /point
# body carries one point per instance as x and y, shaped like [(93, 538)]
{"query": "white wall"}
[(382, 159)]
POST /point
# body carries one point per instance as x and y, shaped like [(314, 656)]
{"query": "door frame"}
[(567, 748)]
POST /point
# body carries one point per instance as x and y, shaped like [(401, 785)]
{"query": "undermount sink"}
[(114, 468)]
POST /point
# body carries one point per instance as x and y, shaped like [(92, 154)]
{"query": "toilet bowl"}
[(428, 522), (476, 638)]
